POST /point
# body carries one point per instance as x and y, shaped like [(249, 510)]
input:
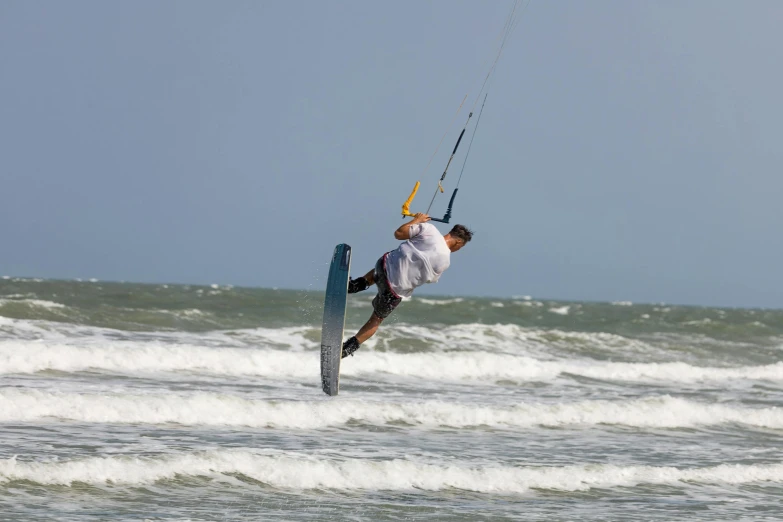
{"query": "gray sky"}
[(629, 150)]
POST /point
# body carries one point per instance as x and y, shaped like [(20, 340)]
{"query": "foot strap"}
[(357, 285), (350, 346)]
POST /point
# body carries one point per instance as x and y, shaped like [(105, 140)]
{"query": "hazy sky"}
[(629, 150)]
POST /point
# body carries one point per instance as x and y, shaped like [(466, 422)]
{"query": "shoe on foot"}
[(357, 285), (350, 346)]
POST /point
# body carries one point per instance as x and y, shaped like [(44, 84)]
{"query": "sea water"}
[(203, 403)]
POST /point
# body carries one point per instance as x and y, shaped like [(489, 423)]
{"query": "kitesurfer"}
[(421, 259)]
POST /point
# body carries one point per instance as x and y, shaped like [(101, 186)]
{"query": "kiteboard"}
[(334, 319)]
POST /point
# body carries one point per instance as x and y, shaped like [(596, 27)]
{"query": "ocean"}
[(139, 402)]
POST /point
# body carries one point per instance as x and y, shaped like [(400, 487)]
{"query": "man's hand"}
[(420, 217), (404, 232)]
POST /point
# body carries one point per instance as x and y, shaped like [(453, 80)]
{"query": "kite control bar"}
[(446, 217)]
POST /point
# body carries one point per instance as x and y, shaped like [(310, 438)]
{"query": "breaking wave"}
[(303, 472), (128, 358), (212, 409)]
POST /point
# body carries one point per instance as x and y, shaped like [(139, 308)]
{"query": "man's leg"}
[(382, 305), (365, 332), (370, 277), (369, 328)]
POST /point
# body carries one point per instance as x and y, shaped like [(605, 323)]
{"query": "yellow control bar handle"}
[(406, 207)]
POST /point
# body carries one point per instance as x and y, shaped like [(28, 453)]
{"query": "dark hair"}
[(461, 232)]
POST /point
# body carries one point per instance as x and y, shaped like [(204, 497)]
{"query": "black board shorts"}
[(386, 301)]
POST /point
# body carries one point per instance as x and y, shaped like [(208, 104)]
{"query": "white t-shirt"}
[(421, 259)]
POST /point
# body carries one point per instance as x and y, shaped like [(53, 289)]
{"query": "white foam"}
[(212, 409), (698, 322), (530, 304), (507, 338), (563, 310), (150, 357), (423, 300), (292, 338), (299, 471), (33, 302), (622, 303)]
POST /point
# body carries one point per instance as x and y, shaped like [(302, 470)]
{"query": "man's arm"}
[(404, 232)]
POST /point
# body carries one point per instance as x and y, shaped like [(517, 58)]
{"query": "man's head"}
[(458, 237)]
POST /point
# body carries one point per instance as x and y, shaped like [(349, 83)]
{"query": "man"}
[(419, 260)]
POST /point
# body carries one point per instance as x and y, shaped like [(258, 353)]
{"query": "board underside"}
[(334, 319)]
